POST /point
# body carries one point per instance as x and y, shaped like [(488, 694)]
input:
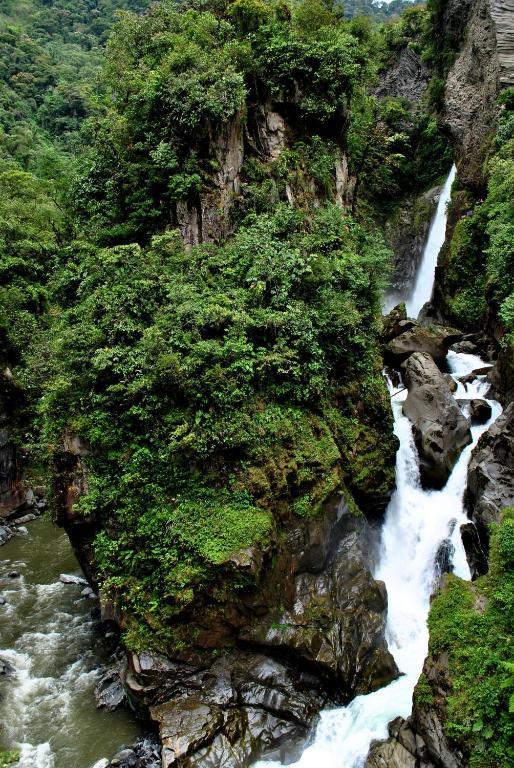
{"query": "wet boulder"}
[(6, 668), (109, 691), (480, 411), (433, 340), (441, 430), (403, 749)]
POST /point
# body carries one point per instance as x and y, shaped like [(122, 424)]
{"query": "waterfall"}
[(417, 521), (422, 290)]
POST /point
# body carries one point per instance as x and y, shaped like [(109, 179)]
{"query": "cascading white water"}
[(417, 522), (422, 290)]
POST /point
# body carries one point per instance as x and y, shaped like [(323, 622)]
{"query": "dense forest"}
[(194, 201), (231, 367)]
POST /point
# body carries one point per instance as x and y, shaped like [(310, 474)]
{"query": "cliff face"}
[(472, 85), (482, 34)]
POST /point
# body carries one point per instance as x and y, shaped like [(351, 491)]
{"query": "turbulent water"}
[(47, 709), (417, 522)]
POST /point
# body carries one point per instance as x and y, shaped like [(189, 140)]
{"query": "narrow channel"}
[(50, 640)]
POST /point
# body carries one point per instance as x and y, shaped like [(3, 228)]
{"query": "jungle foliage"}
[(474, 624)]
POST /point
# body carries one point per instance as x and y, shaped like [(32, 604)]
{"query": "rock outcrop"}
[(406, 78), (311, 631), (206, 217), (441, 430), (491, 474), (472, 87), (322, 641)]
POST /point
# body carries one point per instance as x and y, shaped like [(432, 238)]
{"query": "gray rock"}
[(109, 691), (14, 575), (451, 382), (103, 763), (466, 347), (475, 553), (407, 77), (125, 758), (480, 411), (491, 474), (3, 601), (5, 534), (6, 668), (68, 578), (441, 431), (432, 340)]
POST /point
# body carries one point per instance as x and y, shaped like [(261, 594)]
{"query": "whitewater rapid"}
[(47, 636)]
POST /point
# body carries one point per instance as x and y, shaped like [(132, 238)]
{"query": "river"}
[(47, 633)]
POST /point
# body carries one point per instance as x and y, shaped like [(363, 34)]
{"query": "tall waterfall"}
[(424, 283), (417, 521)]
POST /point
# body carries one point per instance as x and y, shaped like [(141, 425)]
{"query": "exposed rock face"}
[(427, 718), (406, 233), (472, 86), (491, 474), (407, 78), (323, 640), (441, 431), (502, 12), (206, 216), (335, 622)]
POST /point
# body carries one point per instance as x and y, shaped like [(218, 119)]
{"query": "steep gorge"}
[(261, 625)]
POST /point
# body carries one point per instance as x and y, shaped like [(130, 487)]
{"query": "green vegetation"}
[(9, 759), (212, 340), (212, 386), (474, 624)]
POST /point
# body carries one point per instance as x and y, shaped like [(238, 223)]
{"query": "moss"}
[(423, 692), (9, 759)]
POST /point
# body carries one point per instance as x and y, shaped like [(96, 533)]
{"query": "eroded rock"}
[(491, 474), (441, 430)]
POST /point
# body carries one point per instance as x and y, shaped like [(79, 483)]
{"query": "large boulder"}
[(491, 474), (441, 431), (434, 340)]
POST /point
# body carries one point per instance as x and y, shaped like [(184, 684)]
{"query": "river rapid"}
[(48, 636)]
